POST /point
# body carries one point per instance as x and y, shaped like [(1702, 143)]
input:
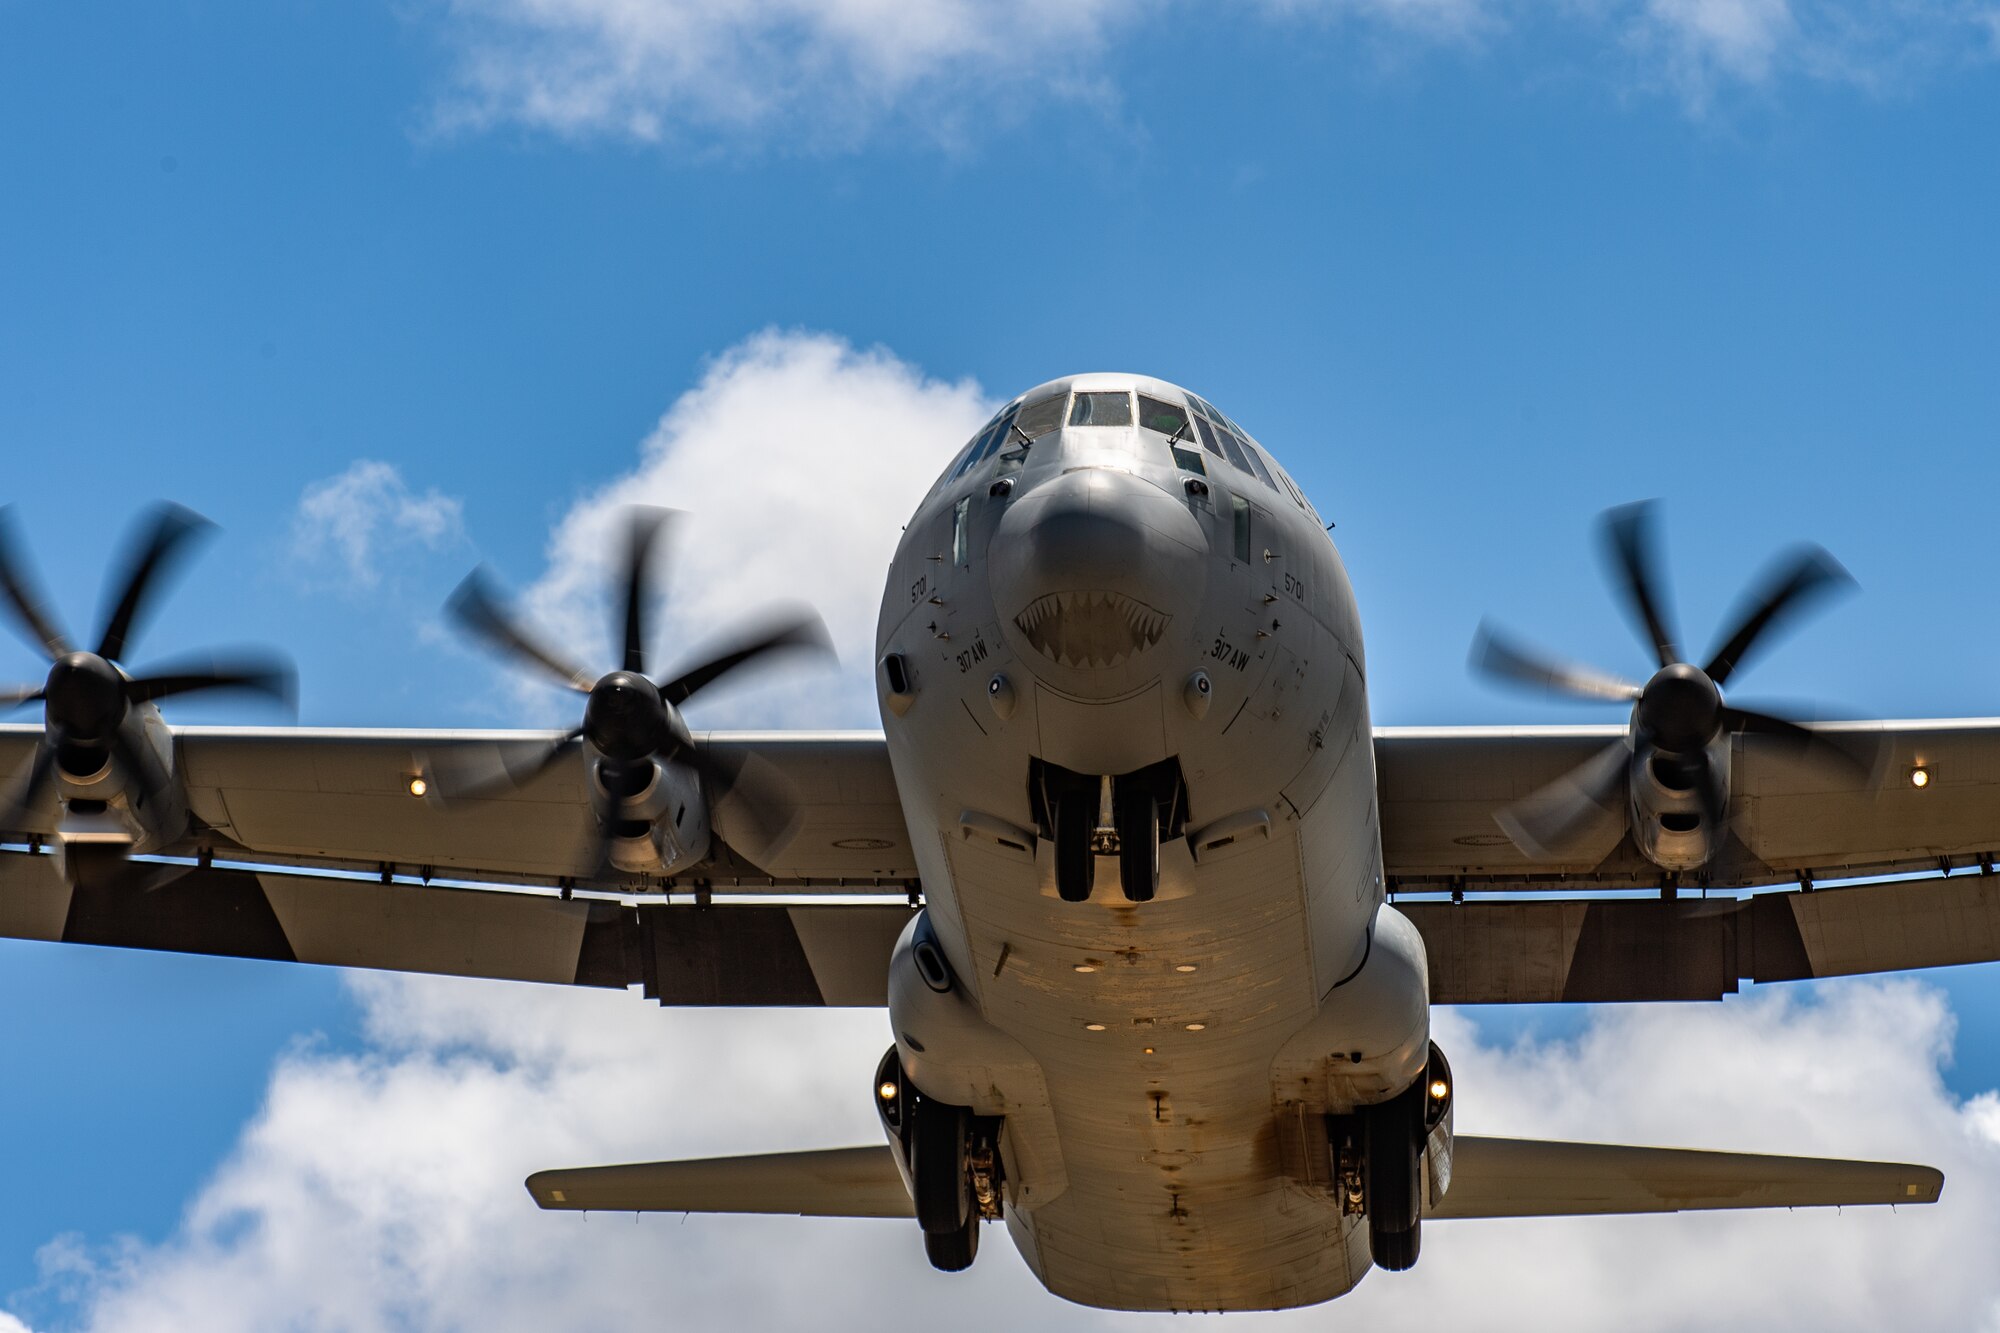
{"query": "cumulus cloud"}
[(825, 73), (381, 1190), (796, 460), (824, 69), (1701, 47), (350, 522)]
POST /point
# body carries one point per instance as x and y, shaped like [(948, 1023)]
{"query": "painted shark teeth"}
[(1090, 629)]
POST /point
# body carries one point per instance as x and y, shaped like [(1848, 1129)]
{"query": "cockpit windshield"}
[(1039, 418), (1101, 409)]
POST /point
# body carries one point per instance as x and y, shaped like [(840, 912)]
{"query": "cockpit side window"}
[(1101, 409), (1164, 417), (983, 444), (1250, 452), (1039, 418), (1221, 440)]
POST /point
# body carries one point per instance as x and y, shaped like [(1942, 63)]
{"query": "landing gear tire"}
[(1394, 1251), (937, 1167), (1138, 816), (1392, 1163), (953, 1253), (1075, 818)]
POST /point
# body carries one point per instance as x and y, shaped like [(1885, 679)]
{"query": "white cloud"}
[(796, 461), (352, 521), (818, 70), (1700, 47), (382, 1190), (825, 73)]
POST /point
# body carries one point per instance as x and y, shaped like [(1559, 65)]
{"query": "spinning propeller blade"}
[(1679, 712)]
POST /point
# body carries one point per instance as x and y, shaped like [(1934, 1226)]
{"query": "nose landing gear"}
[(1086, 816)]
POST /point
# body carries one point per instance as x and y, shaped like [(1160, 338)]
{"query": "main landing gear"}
[(1392, 1155), (940, 1140), (951, 1162), (1378, 1155), (1088, 815)]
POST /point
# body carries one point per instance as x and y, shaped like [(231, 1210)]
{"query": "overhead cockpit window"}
[(1101, 409), (1038, 419)]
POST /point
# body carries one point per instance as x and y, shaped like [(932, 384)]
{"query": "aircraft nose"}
[(1093, 570)]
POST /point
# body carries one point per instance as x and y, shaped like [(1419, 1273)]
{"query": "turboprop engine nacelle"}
[(117, 801), (663, 827), (1679, 803)]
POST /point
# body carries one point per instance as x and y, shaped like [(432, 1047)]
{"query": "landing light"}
[(1196, 1027), (418, 786), (1093, 1027), (887, 1092), (1439, 1089), (1084, 967), (1184, 967), (1920, 777)]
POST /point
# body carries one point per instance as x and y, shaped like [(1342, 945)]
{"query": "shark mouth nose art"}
[(1090, 629)]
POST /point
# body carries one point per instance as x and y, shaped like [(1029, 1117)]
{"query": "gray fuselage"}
[(1104, 599)]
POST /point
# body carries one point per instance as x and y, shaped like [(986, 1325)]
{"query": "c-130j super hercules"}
[(1156, 1011)]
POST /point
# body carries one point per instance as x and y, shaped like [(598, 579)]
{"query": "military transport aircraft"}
[(1158, 917)]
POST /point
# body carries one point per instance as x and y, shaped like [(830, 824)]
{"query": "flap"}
[(681, 954), (1545, 951)]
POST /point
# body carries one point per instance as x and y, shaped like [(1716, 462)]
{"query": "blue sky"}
[(1475, 269)]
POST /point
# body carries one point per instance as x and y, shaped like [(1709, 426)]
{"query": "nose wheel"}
[(1126, 816), (1074, 814), (1137, 814)]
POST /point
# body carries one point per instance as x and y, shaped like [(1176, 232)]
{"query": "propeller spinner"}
[(86, 697), (630, 721), (1681, 725)]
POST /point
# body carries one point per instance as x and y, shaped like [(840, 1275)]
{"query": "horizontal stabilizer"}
[(1531, 1178), (832, 1182)]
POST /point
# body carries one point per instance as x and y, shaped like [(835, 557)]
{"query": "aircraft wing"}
[(679, 953), (1603, 950), (1440, 789), (1489, 1178), (1534, 1178), (340, 799)]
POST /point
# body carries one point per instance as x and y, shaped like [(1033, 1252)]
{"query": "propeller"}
[(630, 719), (1680, 710), (87, 697)]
